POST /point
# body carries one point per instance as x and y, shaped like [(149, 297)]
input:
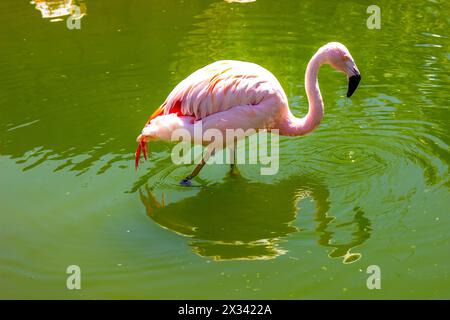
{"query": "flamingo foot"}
[(186, 182)]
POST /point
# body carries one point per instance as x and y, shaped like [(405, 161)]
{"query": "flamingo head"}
[(338, 56)]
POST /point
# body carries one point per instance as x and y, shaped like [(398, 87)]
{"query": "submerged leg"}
[(187, 181), (233, 159)]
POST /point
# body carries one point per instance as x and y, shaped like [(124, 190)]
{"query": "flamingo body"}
[(223, 95), (231, 94)]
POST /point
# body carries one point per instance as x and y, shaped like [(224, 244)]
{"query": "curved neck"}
[(300, 126)]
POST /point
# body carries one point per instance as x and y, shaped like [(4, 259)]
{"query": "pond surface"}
[(369, 187)]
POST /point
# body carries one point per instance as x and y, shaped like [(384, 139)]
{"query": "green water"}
[(369, 187)]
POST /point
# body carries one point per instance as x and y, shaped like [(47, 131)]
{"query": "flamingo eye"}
[(345, 58)]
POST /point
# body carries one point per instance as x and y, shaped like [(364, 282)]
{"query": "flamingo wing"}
[(214, 88), (217, 87)]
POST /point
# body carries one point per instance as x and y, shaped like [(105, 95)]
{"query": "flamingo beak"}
[(353, 82)]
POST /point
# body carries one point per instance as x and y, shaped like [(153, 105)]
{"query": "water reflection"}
[(56, 9), (343, 250), (253, 221)]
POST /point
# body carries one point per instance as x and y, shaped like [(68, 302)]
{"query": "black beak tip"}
[(353, 83)]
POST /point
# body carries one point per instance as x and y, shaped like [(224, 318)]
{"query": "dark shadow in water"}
[(239, 220)]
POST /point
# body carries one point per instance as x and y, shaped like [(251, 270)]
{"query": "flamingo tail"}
[(142, 147)]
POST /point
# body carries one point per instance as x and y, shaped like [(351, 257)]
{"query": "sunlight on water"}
[(56, 9)]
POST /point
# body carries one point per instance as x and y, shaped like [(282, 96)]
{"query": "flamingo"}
[(239, 95)]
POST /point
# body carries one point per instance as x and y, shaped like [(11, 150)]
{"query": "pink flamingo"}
[(242, 95)]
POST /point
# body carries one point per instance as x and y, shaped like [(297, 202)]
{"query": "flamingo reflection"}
[(254, 221)]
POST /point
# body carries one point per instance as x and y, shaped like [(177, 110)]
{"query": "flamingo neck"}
[(300, 126)]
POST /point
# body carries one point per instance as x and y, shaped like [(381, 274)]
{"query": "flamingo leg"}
[(233, 159), (187, 181)]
